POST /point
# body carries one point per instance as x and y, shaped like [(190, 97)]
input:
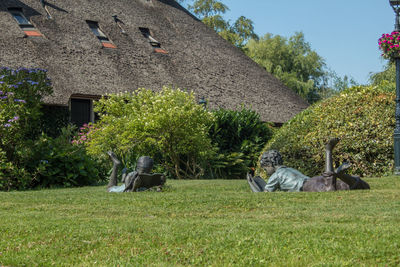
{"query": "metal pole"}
[(397, 116), (396, 135), (397, 22)]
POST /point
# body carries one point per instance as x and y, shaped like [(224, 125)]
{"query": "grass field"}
[(201, 223)]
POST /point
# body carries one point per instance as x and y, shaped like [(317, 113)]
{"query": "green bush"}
[(12, 176), (56, 162), (168, 125), (362, 116), (239, 135), (233, 165)]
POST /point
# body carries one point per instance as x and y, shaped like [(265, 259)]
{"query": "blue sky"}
[(343, 32)]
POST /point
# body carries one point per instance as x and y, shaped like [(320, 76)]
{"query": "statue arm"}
[(273, 183)]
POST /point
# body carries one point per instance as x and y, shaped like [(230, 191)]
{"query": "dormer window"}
[(23, 22), (146, 33), (94, 26), (153, 42), (119, 23)]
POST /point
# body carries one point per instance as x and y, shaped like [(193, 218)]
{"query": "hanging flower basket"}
[(389, 44)]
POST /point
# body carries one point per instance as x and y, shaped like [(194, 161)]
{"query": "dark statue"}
[(139, 180), (288, 179)]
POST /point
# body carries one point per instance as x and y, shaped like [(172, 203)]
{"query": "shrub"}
[(362, 116), (239, 135), (168, 125), (233, 165), (56, 162), (11, 175)]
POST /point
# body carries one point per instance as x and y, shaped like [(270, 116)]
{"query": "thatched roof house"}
[(89, 52)]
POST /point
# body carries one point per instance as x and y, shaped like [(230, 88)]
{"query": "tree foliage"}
[(208, 8), (388, 74), (361, 116), (290, 60), (211, 13)]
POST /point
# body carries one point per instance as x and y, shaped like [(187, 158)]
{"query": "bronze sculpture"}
[(289, 179), (139, 180)]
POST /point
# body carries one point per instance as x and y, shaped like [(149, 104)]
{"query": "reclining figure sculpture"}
[(138, 180), (289, 179)]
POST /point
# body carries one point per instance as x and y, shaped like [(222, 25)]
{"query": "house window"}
[(94, 26), (23, 22), (153, 42), (81, 111)]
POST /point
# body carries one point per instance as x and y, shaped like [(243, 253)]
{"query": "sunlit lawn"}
[(205, 222)]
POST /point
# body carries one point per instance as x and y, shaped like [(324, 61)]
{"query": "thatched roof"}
[(197, 59)]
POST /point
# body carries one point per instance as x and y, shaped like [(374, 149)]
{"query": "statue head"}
[(144, 164), (270, 160)]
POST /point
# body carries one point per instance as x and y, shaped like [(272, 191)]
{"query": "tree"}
[(208, 8), (292, 61), (240, 32), (210, 13)]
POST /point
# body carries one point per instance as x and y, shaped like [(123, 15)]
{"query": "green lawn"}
[(205, 222)]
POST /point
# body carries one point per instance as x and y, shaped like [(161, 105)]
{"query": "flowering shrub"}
[(11, 109), (20, 93), (84, 134), (390, 45), (28, 87)]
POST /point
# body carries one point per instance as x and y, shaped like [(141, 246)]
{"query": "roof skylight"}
[(23, 22), (153, 42), (94, 26)]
